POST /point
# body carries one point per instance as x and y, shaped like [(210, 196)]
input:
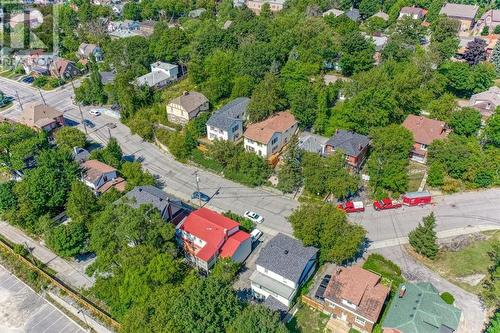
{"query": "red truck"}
[(352, 206), (386, 203), (417, 198)]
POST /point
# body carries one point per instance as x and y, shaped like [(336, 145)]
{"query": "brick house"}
[(424, 131), (206, 235), (41, 116), (356, 297), (353, 145)]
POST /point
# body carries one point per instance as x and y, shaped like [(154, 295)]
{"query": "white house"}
[(268, 137), (227, 122), (283, 265), (161, 74), (186, 107), (95, 174)]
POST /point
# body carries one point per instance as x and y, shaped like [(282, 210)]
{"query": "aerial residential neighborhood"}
[(249, 166)]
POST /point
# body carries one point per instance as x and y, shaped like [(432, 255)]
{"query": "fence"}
[(55, 281), (312, 303)]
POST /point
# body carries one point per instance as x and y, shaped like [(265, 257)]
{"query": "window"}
[(423, 146), (235, 128), (360, 321), (274, 140)]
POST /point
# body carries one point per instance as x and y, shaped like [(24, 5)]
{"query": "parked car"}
[(352, 206), (322, 286), (28, 79), (201, 196), (88, 123), (95, 112), (417, 198), (253, 216), (255, 234), (386, 203)]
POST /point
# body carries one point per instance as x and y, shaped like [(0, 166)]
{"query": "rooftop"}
[(226, 115), (39, 115), (351, 143), (459, 10), (425, 130), (263, 131), (361, 288), (286, 256), (150, 195), (94, 169), (190, 100), (421, 310), (312, 143), (233, 243)]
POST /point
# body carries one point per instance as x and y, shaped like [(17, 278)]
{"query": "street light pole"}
[(19, 100), (80, 109), (197, 178), (43, 99)]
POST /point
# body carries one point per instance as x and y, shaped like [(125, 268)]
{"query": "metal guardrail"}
[(80, 299)]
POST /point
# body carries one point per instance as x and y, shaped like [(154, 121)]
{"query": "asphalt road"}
[(23, 311), (453, 212)]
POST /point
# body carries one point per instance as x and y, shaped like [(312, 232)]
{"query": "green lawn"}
[(471, 260), (308, 320), (389, 271), (415, 175)]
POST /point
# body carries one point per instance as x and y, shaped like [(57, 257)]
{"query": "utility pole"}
[(85, 319), (19, 100), (80, 109), (43, 99), (197, 178)]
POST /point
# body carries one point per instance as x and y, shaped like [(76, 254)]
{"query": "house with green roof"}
[(418, 308)]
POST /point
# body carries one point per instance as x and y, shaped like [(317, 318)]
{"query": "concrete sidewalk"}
[(71, 273)]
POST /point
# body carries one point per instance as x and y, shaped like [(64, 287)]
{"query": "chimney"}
[(402, 291)]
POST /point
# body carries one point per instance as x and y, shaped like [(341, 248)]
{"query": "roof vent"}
[(286, 251), (161, 199), (140, 189)]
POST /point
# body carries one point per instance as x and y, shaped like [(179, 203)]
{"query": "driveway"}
[(473, 313)]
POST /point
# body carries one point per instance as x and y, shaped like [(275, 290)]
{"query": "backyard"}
[(415, 175), (308, 320)]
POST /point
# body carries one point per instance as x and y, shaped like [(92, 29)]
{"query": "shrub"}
[(448, 298), (245, 224), (497, 30), (386, 268), (485, 31), (451, 185)]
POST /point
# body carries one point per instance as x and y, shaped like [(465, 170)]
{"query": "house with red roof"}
[(206, 235), (355, 297), (425, 131)]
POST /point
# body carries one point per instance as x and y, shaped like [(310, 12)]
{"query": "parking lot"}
[(24, 311)]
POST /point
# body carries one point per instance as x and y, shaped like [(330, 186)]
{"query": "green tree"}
[(91, 90), (436, 174), (491, 284), (388, 162), (409, 31), (495, 57), (82, 203), (70, 137), (267, 98), (290, 174), (423, 238), (466, 121), (224, 151), (135, 176), (464, 80), (18, 143), (67, 240), (356, 53), (442, 108), (7, 199), (368, 7), (111, 154), (492, 130), (256, 319), (326, 227), (494, 325)]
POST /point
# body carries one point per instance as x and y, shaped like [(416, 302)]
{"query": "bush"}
[(386, 268), (245, 224), (451, 185), (485, 31), (436, 174), (20, 249), (40, 81), (208, 163), (497, 30), (448, 298)]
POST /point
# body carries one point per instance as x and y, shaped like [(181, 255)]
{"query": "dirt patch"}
[(460, 242), (473, 279)]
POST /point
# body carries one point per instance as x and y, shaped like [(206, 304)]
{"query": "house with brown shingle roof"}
[(424, 131), (182, 109), (41, 116), (465, 14), (268, 137), (100, 177), (64, 69), (356, 297)]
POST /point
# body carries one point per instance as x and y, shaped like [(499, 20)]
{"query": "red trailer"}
[(386, 203), (352, 206), (417, 198)]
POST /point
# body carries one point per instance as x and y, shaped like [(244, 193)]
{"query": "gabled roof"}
[(286, 256), (39, 115), (334, 12), (353, 14), (412, 11), (360, 287), (211, 227), (86, 49), (382, 15), (459, 10), (491, 95), (150, 195), (425, 130), (233, 243), (190, 100), (312, 143), (226, 115), (421, 310), (94, 169), (351, 143), (59, 66), (263, 131)]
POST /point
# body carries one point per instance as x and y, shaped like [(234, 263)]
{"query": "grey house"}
[(171, 208), (282, 267), (227, 122), (353, 145), (312, 143)]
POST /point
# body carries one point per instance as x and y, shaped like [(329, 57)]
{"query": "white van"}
[(255, 234)]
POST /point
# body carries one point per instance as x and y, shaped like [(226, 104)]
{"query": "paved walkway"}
[(473, 313), (70, 272)]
